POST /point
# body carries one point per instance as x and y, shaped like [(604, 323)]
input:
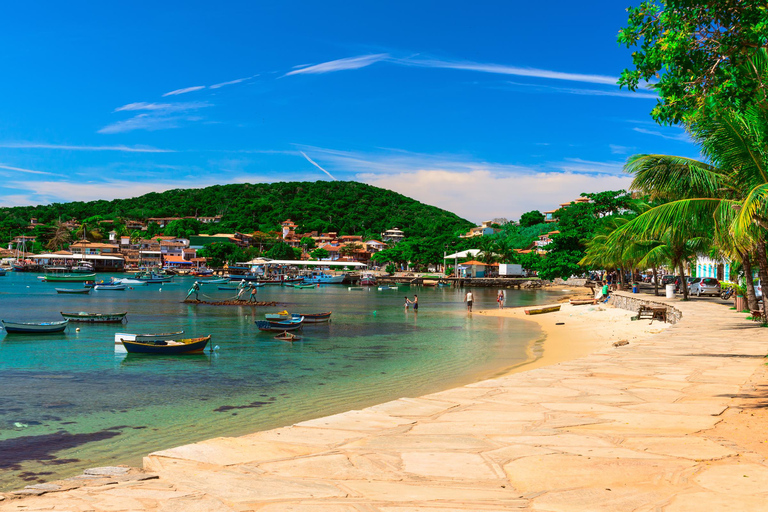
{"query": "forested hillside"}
[(349, 208)]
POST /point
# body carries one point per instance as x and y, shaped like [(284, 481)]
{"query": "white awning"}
[(463, 254), (303, 263), (75, 257)]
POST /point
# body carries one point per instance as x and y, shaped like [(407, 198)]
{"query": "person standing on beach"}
[(469, 298), (500, 299)]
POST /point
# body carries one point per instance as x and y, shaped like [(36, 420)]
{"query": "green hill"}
[(347, 207)]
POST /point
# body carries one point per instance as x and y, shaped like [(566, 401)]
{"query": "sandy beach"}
[(669, 422)]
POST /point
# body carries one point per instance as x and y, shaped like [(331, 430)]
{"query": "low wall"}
[(632, 302)]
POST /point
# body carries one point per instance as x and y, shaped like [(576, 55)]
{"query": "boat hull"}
[(115, 287), (69, 278), (316, 318), (540, 311), (76, 291), (120, 336), (188, 346), (264, 325), (105, 318), (34, 328)]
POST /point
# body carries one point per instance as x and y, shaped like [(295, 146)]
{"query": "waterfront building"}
[(393, 235), (708, 267)]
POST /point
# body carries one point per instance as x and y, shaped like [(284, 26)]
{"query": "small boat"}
[(154, 277), (94, 317), (303, 286), (316, 318), (368, 280), (78, 291), (143, 338), (282, 315), (83, 268), (581, 302), (201, 273), (2, 272), (227, 287), (34, 327), (264, 325), (539, 311), (214, 281), (110, 287), (323, 278), (287, 336), (69, 278), (355, 288), (294, 320), (167, 347), (384, 288), (130, 282)]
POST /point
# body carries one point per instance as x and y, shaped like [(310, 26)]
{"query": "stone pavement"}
[(624, 429)]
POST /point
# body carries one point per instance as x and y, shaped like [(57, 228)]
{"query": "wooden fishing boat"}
[(143, 338), (316, 318), (2, 271), (69, 278), (355, 288), (304, 286), (78, 291), (287, 336), (110, 287), (368, 280), (167, 347), (264, 325), (214, 281), (154, 277), (94, 317), (323, 278), (581, 302), (294, 320), (34, 327), (227, 287), (545, 309)]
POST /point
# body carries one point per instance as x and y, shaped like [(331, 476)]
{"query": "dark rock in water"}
[(43, 448)]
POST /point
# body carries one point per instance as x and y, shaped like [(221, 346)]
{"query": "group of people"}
[(244, 285)]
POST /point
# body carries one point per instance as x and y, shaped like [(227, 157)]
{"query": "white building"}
[(707, 267)]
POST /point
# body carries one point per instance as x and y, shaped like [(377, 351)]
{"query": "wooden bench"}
[(652, 313)]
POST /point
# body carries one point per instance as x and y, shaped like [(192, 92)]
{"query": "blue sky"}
[(487, 109)]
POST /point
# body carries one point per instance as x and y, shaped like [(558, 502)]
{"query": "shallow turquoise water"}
[(69, 401)]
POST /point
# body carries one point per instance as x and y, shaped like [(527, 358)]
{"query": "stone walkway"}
[(621, 430)]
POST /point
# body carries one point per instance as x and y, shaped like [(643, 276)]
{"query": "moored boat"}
[(355, 288), (214, 281), (69, 278), (581, 302), (34, 327), (78, 291), (167, 347), (143, 338), (368, 280), (294, 320), (385, 287), (541, 310), (323, 278), (94, 317), (110, 287), (264, 325), (315, 318), (303, 286), (227, 287), (287, 336), (131, 282), (282, 315)]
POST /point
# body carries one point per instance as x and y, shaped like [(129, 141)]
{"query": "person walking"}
[(469, 298), (500, 299), (252, 297)]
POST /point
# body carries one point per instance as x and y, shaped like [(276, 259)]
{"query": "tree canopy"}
[(531, 218)]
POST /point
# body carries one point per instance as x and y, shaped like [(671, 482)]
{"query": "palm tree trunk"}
[(762, 263), (655, 282), (681, 267), (746, 262)]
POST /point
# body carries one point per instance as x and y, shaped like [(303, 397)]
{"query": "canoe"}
[(287, 336), (33, 327), (539, 311), (355, 288), (581, 302), (94, 317), (304, 285), (143, 338), (110, 287), (264, 325), (214, 281), (316, 318), (294, 320), (79, 291), (69, 278), (167, 347)]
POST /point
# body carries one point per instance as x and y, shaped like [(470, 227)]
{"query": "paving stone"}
[(735, 479), (413, 407), (362, 421), (680, 408), (44, 487), (615, 498), (107, 471), (305, 435), (411, 442), (465, 466), (335, 466), (401, 492), (716, 501), (194, 504), (651, 423), (227, 451), (689, 447), (311, 507)]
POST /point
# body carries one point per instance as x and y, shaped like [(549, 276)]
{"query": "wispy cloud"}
[(621, 150), (27, 171), (683, 137), (583, 92), (185, 90), (67, 147), (503, 69), (340, 64), (231, 82), (316, 165), (578, 165), (158, 116)]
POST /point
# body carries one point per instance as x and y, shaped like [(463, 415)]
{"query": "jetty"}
[(229, 302)]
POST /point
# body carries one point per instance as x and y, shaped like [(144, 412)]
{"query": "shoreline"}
[(661, 423)]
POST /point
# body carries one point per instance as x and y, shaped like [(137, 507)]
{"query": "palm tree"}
[(61, 236)]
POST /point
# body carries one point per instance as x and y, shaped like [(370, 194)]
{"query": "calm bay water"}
[(69, 401)]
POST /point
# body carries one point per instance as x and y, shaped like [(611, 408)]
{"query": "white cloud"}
[(17, 200), (184, 90), (577, 165), (481, 195), (67, 147), (316, 165), (26, 171), (159, 116), (111, 189), (682, 137), (621, 150), (503, 69), (340, 64), (585, 92), (231, 82), (143, 122)]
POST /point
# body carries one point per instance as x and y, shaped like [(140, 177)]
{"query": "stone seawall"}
[(632, 302)]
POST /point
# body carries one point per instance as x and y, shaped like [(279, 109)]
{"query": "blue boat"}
[(34, 327), (167, 347)]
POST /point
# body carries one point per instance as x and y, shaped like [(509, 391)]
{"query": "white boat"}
[(323, 278), (130, 282), (110, 287)]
